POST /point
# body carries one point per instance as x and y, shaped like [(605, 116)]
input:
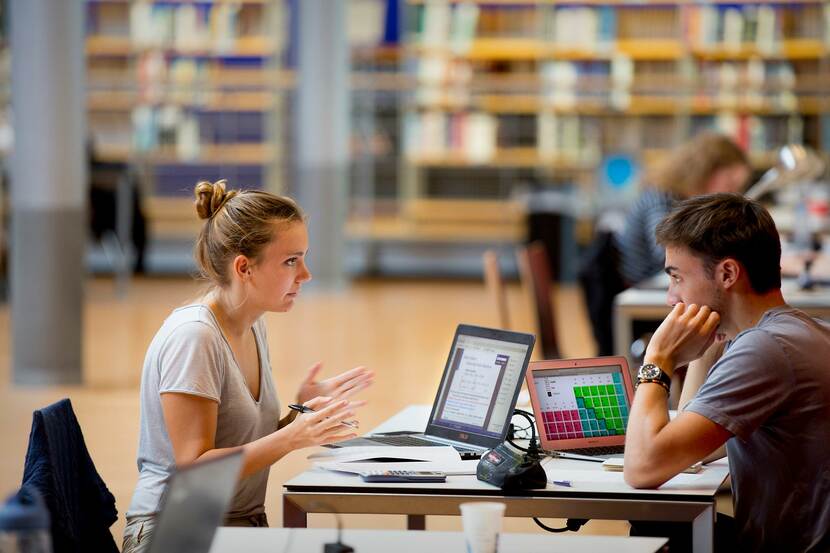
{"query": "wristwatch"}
[(652, 373)]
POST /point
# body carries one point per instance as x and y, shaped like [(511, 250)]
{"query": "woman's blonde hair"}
[(688, 169), (236, 223)]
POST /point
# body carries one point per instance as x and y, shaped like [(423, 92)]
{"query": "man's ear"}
[(728, 272)]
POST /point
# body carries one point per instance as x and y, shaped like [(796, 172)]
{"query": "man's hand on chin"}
[(684, 335)]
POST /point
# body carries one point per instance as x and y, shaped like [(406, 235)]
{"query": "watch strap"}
[(654, 381)]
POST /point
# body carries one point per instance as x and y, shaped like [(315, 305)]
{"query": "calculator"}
[(403, 476)]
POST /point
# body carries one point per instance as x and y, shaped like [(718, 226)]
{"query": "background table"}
[(647, 303)]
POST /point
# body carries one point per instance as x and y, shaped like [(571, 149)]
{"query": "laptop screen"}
[(194, 502), (481, 382), (583, 402)]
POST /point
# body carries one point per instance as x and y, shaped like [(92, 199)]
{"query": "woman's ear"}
[(728, 272), (241, 266)]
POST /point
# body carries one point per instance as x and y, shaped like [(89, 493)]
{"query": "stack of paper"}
[(363, 459)]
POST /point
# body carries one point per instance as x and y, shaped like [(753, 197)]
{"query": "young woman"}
[(206, 386)]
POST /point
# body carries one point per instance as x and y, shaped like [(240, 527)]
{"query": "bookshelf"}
[(509, 92), (187, 90)]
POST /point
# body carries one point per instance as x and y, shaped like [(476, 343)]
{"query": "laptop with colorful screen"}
[(581, 406)]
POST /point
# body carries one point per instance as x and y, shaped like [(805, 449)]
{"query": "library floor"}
[(401, 329)]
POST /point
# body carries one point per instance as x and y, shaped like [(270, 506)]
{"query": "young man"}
[(767, 397)]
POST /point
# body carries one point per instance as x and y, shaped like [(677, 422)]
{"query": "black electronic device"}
[(511, 467), (403, 476), (338, 546)]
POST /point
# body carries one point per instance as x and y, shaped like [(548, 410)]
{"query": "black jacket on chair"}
[(59, 466)]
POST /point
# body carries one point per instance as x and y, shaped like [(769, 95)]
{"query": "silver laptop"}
[(194, 504), (476, 396)]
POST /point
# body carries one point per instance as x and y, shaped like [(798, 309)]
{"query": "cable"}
[(514, 432), (339, 546), (533, 451), (571, 525)]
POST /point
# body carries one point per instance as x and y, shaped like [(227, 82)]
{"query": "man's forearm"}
[(649, 414)]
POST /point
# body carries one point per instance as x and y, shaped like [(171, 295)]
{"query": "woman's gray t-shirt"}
[(190, 355)]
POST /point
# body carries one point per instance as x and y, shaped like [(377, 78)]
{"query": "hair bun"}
[(210, 197)]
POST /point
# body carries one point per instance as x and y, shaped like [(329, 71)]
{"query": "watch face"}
[(649, 371)]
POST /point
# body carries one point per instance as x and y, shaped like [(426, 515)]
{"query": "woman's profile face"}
[(728, 179), (277, 277)]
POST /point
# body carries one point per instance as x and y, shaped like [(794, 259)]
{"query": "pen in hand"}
[(304, 409)]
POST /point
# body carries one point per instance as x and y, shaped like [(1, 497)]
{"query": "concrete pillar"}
[(48, 190), (321, 130)]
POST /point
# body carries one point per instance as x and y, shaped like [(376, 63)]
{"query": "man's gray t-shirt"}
[(771, 389), (190, 355)]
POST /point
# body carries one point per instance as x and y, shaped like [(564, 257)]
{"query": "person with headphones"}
[(206, 385)]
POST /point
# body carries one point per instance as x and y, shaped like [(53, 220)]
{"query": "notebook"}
[(194, 504), (581, 406), (476, 396)]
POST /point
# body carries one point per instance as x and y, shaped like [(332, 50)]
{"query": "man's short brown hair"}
[(717, 226)]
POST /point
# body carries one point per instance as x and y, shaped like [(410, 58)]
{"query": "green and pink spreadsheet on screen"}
[(582, 403)]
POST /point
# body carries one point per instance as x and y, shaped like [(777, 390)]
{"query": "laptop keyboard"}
[(598, 451), (402, 441), (409, 441)]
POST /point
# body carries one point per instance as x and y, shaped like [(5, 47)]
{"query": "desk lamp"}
[(797, 165)]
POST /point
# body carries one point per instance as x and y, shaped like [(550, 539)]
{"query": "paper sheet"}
[(443, 454), (450, 468), (594, 475)]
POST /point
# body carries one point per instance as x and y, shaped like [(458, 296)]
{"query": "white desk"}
[(648, 303), (295, 540), (606, 497)]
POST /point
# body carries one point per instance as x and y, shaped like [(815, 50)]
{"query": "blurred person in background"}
[(707, 164)]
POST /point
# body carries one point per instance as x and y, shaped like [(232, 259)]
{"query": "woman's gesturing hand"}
[(342, 386), (325, 425)]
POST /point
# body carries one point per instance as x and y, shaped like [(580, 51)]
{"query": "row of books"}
[(763, 26), (178, 80), (197, 27), (437, 134), (760, 135), (598, 27), (439, 24), (171, 127), (753, 84), (480, 137), (166, 127), (753, 74)]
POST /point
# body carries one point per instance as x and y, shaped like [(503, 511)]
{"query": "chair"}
[(535, 273), (495, 287), (58, 464)]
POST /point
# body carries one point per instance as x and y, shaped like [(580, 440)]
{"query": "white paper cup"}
[(482, 525)]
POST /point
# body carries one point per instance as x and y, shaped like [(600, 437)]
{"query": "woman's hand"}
[(325, 426), (342, 386)]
